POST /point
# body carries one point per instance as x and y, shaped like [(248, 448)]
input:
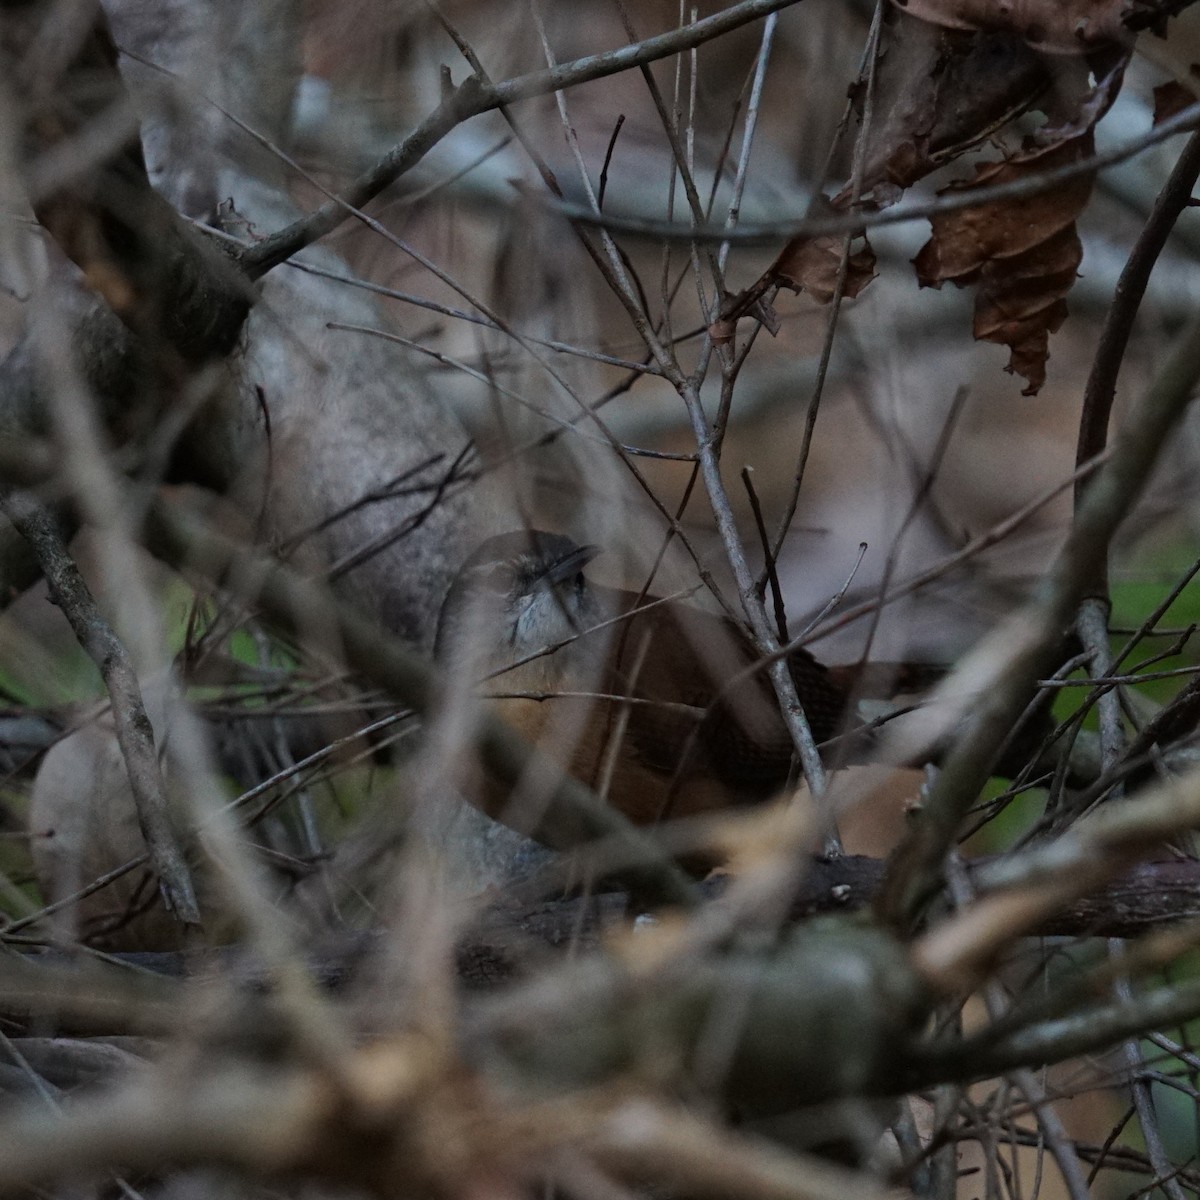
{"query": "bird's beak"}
[(570, 564)]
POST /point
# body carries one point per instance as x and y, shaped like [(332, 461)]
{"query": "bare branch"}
[(135, 734), (474, 97)]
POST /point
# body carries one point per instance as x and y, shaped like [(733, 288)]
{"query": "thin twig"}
[(867, 78), (612, 145), (1060, 1144), (471, 98), (768, 234), (1099, 393), (135, 734), (753, 107), (1100, 389), (764, 541), (1027, 646), (767, 644), (920, 498), (1143, 1098), (459, 314), (975, 547), (683, 156)]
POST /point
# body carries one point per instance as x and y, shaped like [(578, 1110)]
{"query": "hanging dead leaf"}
[(964, 240), (938, 93), (813, 265), (1024, 255), (1021, 302), (1051, 26)]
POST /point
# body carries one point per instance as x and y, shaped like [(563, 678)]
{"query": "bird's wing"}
[(698, 719)]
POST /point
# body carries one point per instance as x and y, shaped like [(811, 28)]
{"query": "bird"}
[(655, 704)]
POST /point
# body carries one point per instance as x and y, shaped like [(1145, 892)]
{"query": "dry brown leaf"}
[(1023, 254), (1021, 303), (964, 240), (1051, 26), (937, 93), (1171, 98), (813, 264)]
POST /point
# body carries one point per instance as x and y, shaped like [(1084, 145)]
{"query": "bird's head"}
[(518, 592)]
